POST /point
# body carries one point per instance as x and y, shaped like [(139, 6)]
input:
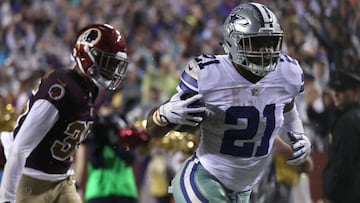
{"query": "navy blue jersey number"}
[(288, 59), (210, 59), (244, 136)]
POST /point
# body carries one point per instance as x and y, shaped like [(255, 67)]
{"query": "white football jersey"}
[(238, 135)]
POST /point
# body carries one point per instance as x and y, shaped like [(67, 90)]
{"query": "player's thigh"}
[(193, 183), (31, 190), (66, 192)]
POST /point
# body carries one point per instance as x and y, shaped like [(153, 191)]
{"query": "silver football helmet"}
[(253, 38)]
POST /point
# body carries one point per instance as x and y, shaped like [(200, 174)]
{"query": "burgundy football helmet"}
[(100, 53)]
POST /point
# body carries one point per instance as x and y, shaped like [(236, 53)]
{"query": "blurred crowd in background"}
[(162, 35)]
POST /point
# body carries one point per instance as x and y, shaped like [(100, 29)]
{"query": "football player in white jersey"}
[(248, 99)]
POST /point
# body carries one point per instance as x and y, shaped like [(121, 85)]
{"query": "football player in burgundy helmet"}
[(100, 54), (59, 115), (241, 101)]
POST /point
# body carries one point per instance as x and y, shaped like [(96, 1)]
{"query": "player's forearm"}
[(153, 129), (12, 172), (292, 122)]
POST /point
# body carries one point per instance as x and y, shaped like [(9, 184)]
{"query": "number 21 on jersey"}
[(246, 135)]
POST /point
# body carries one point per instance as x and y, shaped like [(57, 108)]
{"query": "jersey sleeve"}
[(293, 74), (189, 78)]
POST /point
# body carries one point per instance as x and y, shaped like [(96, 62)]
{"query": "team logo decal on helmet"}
[(235, 19), (90, 37)]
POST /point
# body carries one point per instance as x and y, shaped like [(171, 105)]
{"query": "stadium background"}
[(162, 35)]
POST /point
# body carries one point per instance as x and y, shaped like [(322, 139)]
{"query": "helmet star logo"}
[(234, 18)]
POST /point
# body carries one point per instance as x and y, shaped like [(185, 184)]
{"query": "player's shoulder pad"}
[(291, 70), (192, 68), (200, 63), (55, 82)]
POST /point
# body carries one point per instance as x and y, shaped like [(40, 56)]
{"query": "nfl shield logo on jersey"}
[(28, 190), (255, 91)]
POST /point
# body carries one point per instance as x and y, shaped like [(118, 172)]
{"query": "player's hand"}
[(306, 167), (182, 112), (301, 147)]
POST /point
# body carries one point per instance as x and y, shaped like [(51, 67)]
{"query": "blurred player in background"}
[(59, 116), (111, 146), (341, 181), (241, 101)]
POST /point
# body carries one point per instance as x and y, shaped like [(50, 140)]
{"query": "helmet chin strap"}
[(97, 79), (255, 69), (101, 82), (262, 74)]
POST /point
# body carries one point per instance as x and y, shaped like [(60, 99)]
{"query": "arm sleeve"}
[(38, 122), (292, 122)]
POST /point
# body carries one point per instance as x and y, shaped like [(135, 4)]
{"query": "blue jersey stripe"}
[(188, 79), (186, 88)]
